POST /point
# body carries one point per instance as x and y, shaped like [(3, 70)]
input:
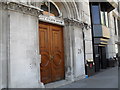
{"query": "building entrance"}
[(52, 52)]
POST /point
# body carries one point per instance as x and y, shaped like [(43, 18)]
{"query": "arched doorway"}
[(51, 45), (56, 19), (52, 52)]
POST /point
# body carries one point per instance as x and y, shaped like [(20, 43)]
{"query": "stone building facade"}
[(114, 18), (43, 42)]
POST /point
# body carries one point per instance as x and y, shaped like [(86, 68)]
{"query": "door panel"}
[(103, 58), (45, 51), (51, 50), (57, 53), (96, 59)]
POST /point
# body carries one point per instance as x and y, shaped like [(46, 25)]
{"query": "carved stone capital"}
[(72, 22), (22, 8), (77, 23)]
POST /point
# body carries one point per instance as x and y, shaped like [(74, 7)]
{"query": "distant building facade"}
[(104, 20), (49, 44)]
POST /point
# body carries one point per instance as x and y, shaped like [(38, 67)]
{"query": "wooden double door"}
[(52, 52)]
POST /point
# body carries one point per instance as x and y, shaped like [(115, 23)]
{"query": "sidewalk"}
[(107, 78)]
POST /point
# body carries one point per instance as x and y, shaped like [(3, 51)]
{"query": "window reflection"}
[(95, 14), (104, 16), (99, 14)]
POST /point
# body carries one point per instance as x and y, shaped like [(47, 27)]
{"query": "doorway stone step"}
[(57, 84)]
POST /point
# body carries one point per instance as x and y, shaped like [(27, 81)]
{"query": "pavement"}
[(107, 78)]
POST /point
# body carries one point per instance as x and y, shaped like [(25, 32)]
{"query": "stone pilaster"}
[(71, 25), (14, 15)]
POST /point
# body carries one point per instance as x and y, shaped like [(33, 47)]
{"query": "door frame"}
[(68, 52), (63, 49)]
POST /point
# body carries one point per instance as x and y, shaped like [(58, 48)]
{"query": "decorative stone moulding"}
[(22, 8), (74, 22)]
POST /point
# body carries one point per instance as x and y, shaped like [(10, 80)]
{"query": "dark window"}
[(44, 6), (118, 7), (50, 7), (108, 21), (53, 10), (118, 22), (95, 14), (115, 26)]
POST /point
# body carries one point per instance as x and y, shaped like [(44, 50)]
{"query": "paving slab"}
[(107, 78)]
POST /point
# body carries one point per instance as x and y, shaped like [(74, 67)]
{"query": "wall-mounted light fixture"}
[(86, 26)]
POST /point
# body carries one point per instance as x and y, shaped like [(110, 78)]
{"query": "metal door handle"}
[(51, 57)]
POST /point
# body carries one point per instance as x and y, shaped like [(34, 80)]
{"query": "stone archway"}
[(71, 18), (68, 12)]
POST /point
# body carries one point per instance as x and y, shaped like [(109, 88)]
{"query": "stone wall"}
[(24, 52), (20, 59), (111, 47)]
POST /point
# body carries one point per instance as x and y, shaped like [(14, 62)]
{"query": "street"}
[(107, 78)]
